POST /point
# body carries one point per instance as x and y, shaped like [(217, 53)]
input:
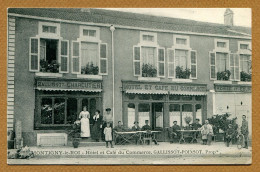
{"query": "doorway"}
[(157, 116)]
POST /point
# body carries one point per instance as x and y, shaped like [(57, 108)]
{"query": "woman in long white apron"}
[(84, 119)]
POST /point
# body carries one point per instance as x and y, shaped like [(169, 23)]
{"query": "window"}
[(174, 113), (49, 29), (244, 55), (198, 112), (148, 58), (181, 41), (186, 113), (221, 62), (143, 113), (244, 46), (181, 58), (221, 45), (131, 114), (245, 63), (234, 66), (89, 54)]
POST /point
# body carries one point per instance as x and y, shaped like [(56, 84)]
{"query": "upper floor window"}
[(89, 55), (180, 41), (244, 52), (49, 30), (244, 46), (221, 45), (148, 57)]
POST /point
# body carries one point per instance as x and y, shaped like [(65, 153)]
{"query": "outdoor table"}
[(126, 137), (194, 137), (153, 135)]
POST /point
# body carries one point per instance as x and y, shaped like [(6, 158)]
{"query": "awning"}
[(188, 93), (61, 89), (146, 92)]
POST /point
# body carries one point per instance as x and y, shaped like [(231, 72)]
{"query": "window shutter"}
[(34, 55), (212, 61), (193, 64), (64, 56), (171, 67), (161, 62), (75, 57), (103, 59), (137, 61), (237, 71)]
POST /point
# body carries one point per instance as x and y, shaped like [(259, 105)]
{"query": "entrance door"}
[(157, 115)]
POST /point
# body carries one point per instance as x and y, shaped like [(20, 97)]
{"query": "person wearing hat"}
[(107, 118), (148, 128), (229, 134), (244, 130), (136, 128)]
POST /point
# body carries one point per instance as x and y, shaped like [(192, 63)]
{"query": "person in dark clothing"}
[(148, 128), (175, 132), (244, 130), (229, 134), (197, 126), (97, 127), (136, 128), (119, 127)]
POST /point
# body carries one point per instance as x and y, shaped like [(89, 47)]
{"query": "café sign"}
[(68, 85), (233, 88), (131, 87)]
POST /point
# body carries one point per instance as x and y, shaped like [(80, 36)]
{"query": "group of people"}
[(206, 131)]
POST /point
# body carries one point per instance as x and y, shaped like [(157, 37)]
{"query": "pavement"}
[(164, 153)]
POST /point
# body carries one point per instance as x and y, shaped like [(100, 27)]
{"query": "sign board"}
[(233, 88)]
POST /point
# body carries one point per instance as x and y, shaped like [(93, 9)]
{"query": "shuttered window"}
[(75, 57), (161, 62), (171, 69), (34, 55), (103, 59), (212, 61), (64, 56), (137, 61), (193, 64), (234, 67)]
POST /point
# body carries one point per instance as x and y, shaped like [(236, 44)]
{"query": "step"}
[(88, 143)]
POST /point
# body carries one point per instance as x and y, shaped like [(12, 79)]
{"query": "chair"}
[(147, 136)]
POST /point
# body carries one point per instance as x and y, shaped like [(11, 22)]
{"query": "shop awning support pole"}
[(112, 29)]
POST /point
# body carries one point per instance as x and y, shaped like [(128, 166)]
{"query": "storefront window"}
[(158, 109), (59, 111), (46, 111), (85, 103), (131, 115), (174, 97), (186, 114), (144, 97), (143, 114), (157, 97), (198, 98), (198, 111), (131, 96), (92, 107), (71, 110), (187, 98), (174, 113)]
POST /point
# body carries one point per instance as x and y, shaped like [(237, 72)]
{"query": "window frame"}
[(48, 35), (30, 54), (68, 56), (158, 62), (221, 49), (196, 63), (103, 59), (154, 34), (89, 38), (181, 46)]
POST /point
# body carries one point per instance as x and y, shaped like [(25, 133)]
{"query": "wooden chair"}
[(147, 136)]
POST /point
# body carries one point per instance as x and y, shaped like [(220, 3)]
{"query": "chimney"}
[(228, 17)]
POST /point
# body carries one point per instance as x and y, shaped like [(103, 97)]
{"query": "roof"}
[(133, 20)]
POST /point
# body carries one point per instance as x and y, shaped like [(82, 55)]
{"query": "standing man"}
[(244, 130)]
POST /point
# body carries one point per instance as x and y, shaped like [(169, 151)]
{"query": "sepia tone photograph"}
[(131, 86)]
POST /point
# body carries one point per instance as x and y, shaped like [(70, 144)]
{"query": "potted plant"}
[(187, 120), (43, 65), (245, 76), (148, 70), (181, 73), (74, 133), (90, 69), (223, 75)]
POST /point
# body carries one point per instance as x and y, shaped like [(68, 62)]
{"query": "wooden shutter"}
[(64, 56), (161, 62), (137, 61), (171, 67), (212, 64), (236, 66), (76, 57), (193, 62), (103, 69), (34, 55)]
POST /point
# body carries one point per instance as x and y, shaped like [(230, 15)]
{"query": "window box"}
[(90, 69), (224, 75), (181, 80), (155, 79), (48, 74), (97, 77), (149, 70), (222, 82), (244, 76), (181, 73), (52, 67)]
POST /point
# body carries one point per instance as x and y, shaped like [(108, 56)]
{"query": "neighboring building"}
[(60, 60)]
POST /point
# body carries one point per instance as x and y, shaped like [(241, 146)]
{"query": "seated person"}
[(174, 131), (196, 126), (119, 127), (229, 134), (148, 128), (136, 126)]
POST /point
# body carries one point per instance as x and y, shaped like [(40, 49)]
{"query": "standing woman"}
[(84, 119), (97, 126)]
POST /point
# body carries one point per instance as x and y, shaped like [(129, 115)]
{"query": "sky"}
[(242, 16)]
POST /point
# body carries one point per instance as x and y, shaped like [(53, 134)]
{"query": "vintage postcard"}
[(129, 86)]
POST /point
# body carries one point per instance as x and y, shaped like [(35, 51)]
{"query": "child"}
[(108, 135), (229, 134)]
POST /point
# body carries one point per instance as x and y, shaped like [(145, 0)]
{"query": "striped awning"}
[(64, 89), (146, 92)]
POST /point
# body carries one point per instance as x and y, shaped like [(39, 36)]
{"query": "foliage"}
[(181, 73), (74, 131), (148, 70), (52, 67), (90, 69), (187, 120), (225, 75), (221, 122), (245, 76), (22, 153)]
